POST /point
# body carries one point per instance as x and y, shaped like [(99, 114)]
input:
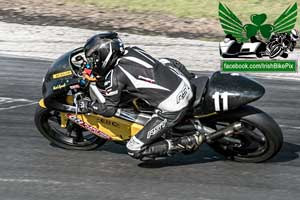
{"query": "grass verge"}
[(196, 8)]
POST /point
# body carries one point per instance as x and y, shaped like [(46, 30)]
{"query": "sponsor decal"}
[(77, 86), (156, 129), (88, 127), (108, 122), (62, 74), (60, 86), (182, 94)]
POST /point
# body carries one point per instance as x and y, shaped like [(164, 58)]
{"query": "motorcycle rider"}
[(131, 69), (280, 43)]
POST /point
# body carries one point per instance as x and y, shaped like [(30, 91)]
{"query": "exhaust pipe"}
[(229, 130), (170, 146), (187, 143)]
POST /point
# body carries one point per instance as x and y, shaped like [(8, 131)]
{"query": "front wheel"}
[(259, 140), (72, 137)]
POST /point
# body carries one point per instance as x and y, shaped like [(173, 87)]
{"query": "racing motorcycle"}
[(281, 43), (219, 115)]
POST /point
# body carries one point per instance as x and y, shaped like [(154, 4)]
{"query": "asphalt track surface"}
[(32, 169)]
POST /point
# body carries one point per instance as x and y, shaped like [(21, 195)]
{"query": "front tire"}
[(259, 129), (73, 137)]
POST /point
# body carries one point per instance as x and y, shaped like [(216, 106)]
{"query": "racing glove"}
[(84, 105)]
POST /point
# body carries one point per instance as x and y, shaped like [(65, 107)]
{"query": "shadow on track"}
[(179, 160), (205, 154), (113, 147), (288, 152)]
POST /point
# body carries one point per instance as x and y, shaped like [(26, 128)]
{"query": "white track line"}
[(49, 182), (290, 127), (5, 103), (18, 106), (31, 181)]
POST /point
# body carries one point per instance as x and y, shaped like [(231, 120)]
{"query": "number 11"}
[(224, 97)]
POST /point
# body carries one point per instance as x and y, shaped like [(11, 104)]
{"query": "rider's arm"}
[(113, 88)]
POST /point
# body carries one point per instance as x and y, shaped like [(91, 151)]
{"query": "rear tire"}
[(272, 141), (44, 122)]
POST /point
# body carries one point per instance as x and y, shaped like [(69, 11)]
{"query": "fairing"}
[(60, 76)]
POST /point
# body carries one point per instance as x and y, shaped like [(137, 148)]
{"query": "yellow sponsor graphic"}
[(117, 129), (57, 87), (62, 74)]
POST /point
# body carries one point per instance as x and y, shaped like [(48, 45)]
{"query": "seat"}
[(199, 86)]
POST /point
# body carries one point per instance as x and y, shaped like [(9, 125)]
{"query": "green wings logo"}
[(232, 25)]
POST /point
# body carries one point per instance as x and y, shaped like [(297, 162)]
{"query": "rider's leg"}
[(153, 130), (171, 110)]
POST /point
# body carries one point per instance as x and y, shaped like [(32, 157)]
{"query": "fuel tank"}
[(229, 91)]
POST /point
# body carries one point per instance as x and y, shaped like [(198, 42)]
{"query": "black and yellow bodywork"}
[(115, 128), (63, 76)]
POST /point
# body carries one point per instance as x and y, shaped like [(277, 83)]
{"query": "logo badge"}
[(259, 39)]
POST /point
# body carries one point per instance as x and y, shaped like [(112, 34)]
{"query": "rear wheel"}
[(259, 140), (72, 137)]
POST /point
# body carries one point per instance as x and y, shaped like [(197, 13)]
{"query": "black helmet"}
[(102, 51)]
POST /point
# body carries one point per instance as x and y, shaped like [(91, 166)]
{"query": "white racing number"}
[(224, 97)]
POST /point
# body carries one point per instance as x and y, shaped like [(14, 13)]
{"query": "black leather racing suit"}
[(162, 86)]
